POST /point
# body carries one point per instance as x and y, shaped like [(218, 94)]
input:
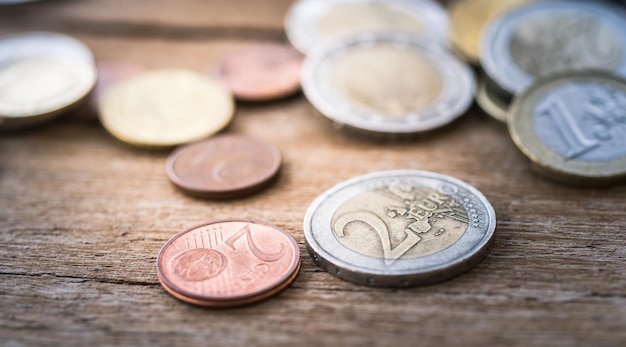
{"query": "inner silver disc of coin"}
[(399, 228)]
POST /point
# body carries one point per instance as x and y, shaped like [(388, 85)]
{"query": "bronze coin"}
[(224, 166), (262, 71), (228, 263), (111, 72)]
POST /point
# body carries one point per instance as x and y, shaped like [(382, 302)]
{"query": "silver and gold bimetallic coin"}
[(42, 74), (547, 37), (468, 19), (310, 22), (399, 228), (573, 127), (387, 83), (165, 108)]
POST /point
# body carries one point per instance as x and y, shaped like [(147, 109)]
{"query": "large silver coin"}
[(310, 22), (41, 75), (399, 228), (545, 37), (387, 82)]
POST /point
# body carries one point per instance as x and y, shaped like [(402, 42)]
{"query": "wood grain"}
[(82, 216)]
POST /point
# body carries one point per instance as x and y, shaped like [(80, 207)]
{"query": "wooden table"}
[(83, 216)]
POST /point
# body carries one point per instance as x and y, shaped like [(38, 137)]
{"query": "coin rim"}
[(548, 162), (238, 300), (490, 102), (240, 191), (410, 277), (302, 14), (496, 36), (441, 112)]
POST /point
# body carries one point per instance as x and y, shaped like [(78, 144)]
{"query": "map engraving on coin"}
[(399, 228)]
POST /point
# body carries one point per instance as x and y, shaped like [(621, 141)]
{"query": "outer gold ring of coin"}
[(548, 162), (468, 18), (165, 108)]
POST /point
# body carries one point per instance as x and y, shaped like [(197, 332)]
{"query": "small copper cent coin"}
[(262, 71), (228, 263), (224, 166)]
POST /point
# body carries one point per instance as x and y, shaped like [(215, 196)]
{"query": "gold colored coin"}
[(492, 103), (468, 18), (165, 108), (572, 126)]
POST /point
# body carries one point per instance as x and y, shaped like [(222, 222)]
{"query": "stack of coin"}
[(399, 228), (228, 263), (542, 38), (42, 75), (380, 67), (165, 108)]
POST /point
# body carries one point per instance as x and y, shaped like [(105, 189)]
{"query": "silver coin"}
[(399, 228), (573, 127), (387, 82), (41, 75), (546, 37), (310, 22)]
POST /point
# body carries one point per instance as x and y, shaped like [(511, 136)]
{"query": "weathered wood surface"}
[(82, 216)]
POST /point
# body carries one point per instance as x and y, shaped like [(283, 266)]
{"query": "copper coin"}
[(228, 263), (262, 71), (224, 166)]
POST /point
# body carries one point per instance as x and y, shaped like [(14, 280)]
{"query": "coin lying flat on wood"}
[(387, 82), (224, 166), (228, 263), (109, 73), (468, 19), (42, 74), (310, 22), (262, 71), (547, 37), (165, 108), (399, 228), (572, 126)]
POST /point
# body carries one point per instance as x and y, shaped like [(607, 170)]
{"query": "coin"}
[(309, 22), (546, 37), (572, 126), (387, 82), (42, 74), (399, 228), (165, 108), (468, 19), (490, 101), (228, 263), (262, 71), (224, 166), (109, 73)]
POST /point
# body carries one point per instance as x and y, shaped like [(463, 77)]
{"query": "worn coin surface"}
[(546, 37), (490, 101), (165, 108), (42, 74), (262, 71), (573, 127), (387, 82), (228, 263), (468, 19), (399, 228), (310, 22), (224, 166)]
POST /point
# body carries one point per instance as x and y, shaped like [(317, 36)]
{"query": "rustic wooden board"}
[(83, 216)]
